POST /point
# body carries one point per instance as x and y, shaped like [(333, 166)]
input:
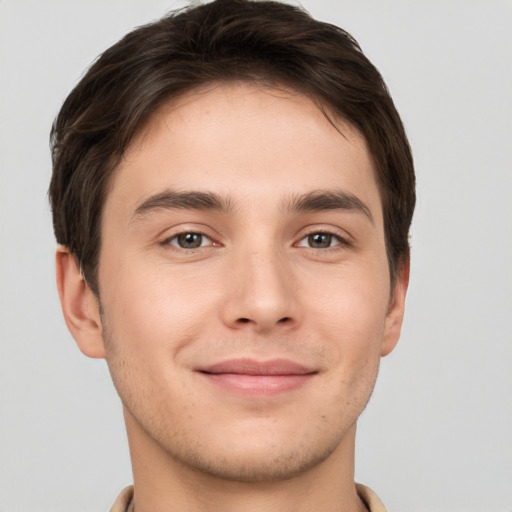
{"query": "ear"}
[(395, 314), (79, 305)]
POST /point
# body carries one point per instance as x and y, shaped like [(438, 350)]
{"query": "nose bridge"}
[(263, 291)]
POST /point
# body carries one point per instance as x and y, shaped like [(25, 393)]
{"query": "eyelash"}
[(340, 241), (168, 241)]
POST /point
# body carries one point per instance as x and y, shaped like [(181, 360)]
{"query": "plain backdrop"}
[(436, 435)]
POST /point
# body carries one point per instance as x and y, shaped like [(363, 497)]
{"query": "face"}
[(244, 283)]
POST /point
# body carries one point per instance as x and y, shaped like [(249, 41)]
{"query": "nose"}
[(262, 294)]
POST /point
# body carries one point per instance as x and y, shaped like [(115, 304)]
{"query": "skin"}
[(259, 286)]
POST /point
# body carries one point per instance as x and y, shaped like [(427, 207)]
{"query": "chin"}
[(258, 452), (267, 464)]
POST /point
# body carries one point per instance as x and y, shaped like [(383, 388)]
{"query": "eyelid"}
[(339, 241), (169, 240), (173, 233), (344, 238)]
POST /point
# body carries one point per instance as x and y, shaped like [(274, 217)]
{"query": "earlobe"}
[(79, 305), (395, 315)]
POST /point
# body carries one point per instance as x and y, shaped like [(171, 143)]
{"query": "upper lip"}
[(247, 366)]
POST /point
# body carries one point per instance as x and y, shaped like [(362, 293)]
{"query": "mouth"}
[(257, 378)]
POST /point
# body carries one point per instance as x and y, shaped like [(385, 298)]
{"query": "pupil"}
[(320, 240), (190, 240)]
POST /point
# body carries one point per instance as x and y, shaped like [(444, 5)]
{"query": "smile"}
[(256, 378)]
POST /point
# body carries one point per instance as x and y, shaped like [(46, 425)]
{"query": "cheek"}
[(148, 318), (350, 306), (349, 318), (154, 306)]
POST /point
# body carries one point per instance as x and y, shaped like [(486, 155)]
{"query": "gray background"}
[(437, 433)]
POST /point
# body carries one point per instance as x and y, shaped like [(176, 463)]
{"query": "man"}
[(232, 194)]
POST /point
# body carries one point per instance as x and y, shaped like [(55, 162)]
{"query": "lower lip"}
[(258, 385)]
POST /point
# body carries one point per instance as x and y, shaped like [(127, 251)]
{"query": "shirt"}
[(124, 501)]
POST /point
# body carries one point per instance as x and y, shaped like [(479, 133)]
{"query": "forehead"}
[(248, 139), (248, 103)]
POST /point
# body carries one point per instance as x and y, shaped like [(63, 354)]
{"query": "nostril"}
[(283, 320)]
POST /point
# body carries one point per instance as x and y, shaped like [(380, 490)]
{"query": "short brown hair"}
[(244, 40)]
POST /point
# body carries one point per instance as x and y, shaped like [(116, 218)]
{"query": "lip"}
[(257, 378)]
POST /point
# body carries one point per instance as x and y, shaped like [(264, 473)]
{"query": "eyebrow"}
[(313, 201), (319, 200), (170, 199)]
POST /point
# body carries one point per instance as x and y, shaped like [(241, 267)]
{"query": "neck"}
[(163, 483)]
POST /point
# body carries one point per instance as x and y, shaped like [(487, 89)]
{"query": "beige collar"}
[(124, 501)]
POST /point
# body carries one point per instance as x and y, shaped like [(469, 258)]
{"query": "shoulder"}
[(123, 502), (370, 499)]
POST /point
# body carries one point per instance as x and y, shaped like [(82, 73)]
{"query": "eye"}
[(320, 240), (189, 240)]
